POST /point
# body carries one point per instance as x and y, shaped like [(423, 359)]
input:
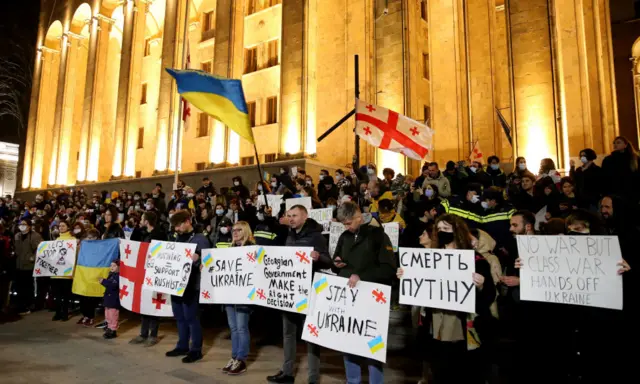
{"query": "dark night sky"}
[(18, 25)]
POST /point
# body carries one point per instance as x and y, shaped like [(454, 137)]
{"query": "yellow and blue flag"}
[(93, 263), (220, 98)]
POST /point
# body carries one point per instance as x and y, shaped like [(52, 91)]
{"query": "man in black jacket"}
[(149, 325), (304, 232)]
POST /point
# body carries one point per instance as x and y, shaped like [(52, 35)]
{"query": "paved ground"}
[(36, 350)]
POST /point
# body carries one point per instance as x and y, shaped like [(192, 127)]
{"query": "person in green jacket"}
[(363, 252)]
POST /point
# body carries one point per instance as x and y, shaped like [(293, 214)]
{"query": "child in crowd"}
[(111, 300)]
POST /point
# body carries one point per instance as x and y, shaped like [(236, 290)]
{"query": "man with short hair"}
[(496, 175), (185, 308), (435, 177), (356, 261), (303, 232), (207, 187)]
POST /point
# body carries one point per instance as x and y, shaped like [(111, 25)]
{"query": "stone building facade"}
[(103, 108)]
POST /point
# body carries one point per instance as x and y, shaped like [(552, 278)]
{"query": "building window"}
[(147, 47), (138, 174), (269, 157), (250, 60), (141, 138), (272, 110), (423, 9), (272, 51), (201, 166), (207, 66), (251, 108), (249, 160), (425, 65), (254, 6), (203, 126), (143, 94), (208, 25), (426, 113)]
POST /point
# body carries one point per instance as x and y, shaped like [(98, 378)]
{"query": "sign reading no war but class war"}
[(228, 275), (55, 258), (349, 320), (579, 270), (168, 267), (438, 278)]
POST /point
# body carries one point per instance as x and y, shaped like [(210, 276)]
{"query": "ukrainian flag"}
[(302, 305), (376, 344), (221, 98), (94, 261), (321, 284)]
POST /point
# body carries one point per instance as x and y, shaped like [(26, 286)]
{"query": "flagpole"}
[(357, 87), (181, 120), (266, 203)]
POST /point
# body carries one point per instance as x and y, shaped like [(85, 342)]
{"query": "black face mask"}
[(445, 238)]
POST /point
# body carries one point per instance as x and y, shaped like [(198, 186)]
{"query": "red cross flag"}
[(476, 154), (133, 255), (389, 130)]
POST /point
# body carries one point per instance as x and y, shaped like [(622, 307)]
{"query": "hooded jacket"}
[(441, 182), (25, 247), (310, 235)]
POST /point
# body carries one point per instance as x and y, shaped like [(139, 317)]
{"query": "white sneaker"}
[(227, 367)]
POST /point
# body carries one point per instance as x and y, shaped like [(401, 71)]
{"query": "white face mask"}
[(485, 205), (321, 177), (371, 171), (261, 216), (236, 183), (331, 206), (522, 166), (495, 167), (190, 195), (584, 160), (23, 228), (338, 177), (224, 230), (475, 199), (473, 169), (309, 183), (274, 184), (136, 198), (77, 230), (260, 188)]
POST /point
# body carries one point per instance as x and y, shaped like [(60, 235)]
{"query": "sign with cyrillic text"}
[(349, 320), (438, 278), (579, 270), (393, 231), (168, 267), (273, 277), (323, 216), (55, 258)]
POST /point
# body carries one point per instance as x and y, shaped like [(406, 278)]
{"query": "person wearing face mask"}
[(25, 244), (589, 179), (214, 226), (239, 189), (61, 286), (158, 199), (467, 205), (223, 239), (478, 175), (276, 187), (262, 188), (327, 189), (435, 177), (497, 176)]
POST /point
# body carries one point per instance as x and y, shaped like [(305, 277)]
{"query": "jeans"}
[(62, 294), (354, 373), (238, 319), (112, 315), (149, 326), (88, 306), (25, 288), (186, 313), (290, 322)]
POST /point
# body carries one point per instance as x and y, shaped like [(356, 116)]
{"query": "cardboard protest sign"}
[(133, 260), (393, 231), (55, 258), (304, 201), (323, 216), (335, 230), (285, 274), (438, 278), (274, 203), (168, 267), (228, 275), (579, 270), (349, 320)]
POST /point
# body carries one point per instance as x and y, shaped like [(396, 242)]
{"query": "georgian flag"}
[(389, 130), (133, 255), (476, 154)]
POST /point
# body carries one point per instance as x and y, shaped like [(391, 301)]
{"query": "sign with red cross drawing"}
[(133, 255), (386, 129)]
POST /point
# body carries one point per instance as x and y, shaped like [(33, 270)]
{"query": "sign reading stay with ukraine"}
[(55, 258), (273, 277), (168, 267), (349, 320)]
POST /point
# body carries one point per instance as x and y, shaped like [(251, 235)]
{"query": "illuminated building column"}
[(32, 122), (57, 122), (130, 17), (293, 85), (93, 102), (533, 82), (223, 66)]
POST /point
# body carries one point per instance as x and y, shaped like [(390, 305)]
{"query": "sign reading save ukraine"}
[(168, 267)]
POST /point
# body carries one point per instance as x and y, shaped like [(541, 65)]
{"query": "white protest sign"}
[(579, 270), (393, 231), (274, 203), (228, 275), (438, 278), (304, 201), (349, 320), (323, 216), (55, 258), (335, 230), (168, 267)]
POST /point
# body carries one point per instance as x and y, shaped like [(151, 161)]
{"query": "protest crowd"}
[(464, 205)]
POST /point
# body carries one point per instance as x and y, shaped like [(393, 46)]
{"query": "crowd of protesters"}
[(461, 206)]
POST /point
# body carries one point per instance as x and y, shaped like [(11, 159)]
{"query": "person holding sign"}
[(61, 285), (185, 308), (26, 244), (363, 252), (458, 336), (304, 232)]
